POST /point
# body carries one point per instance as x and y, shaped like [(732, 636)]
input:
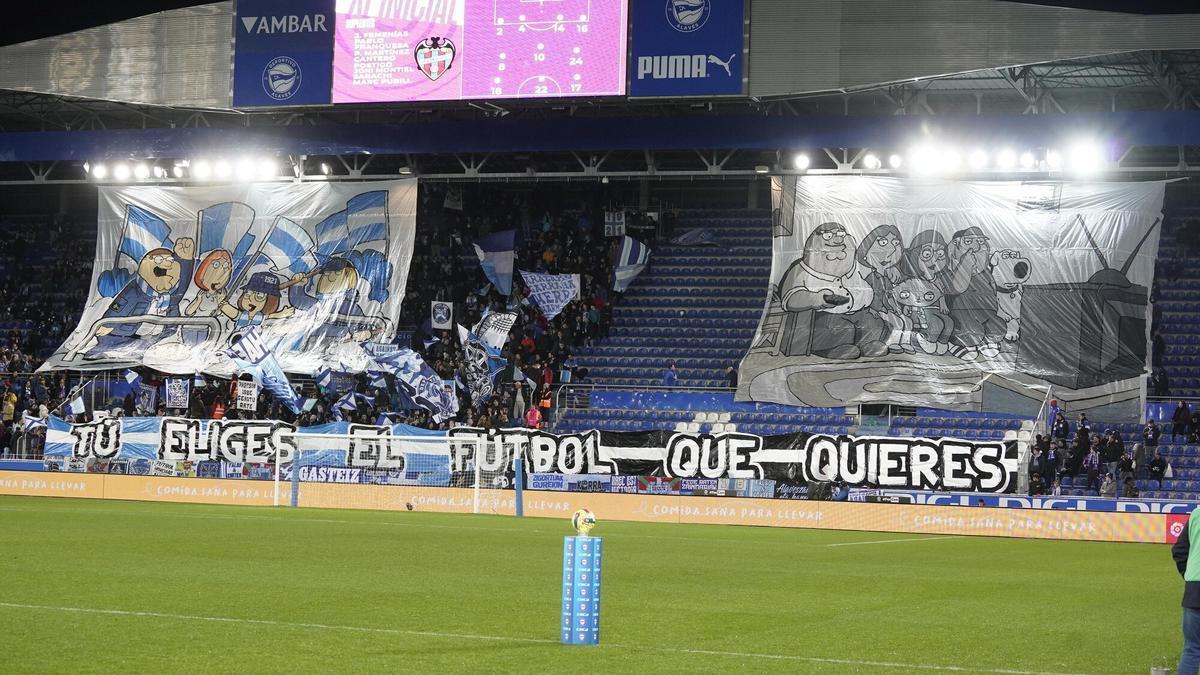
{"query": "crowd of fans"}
[(553, 236), (1111, 468)]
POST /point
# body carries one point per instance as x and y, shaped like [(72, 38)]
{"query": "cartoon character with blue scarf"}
[(331, 291), (155, 290)]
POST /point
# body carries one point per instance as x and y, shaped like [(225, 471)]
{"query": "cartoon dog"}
[(1010, 271)]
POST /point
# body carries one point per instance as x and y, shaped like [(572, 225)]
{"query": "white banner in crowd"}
[(178, 391), (319, 267), (247, 395), (551, 292), (962, 295)]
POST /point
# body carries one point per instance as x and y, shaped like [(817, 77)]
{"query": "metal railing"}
[(570, 392)]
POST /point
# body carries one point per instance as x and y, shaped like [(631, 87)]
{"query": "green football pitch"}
[(128, 587)]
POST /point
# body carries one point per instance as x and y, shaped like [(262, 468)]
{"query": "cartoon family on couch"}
[(848, 300)]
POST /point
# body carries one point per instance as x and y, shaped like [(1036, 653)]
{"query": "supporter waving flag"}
[(29, 422), (496, 257), (254, 356), (418, 383)]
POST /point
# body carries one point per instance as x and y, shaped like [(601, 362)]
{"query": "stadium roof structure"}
[(835, 77)]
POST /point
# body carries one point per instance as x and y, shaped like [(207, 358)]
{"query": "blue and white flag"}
[(198, 381), (77, 406), (132, 378), (348, 401), (631, 260), (29, 422), (418, 383), (551, 292), (363, 222), (309, 404), (324, 378), (494, 327), (252, 355), (481, 364), (226, 227), (376, 379), (700, 236), (496, 257), (289, 248), (143, 233)]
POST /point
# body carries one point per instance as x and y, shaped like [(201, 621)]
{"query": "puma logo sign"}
[(724, 64)]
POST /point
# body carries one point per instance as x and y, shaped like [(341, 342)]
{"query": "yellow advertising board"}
[(901, 518)]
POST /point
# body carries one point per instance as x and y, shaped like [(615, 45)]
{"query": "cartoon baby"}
[(920, 300)]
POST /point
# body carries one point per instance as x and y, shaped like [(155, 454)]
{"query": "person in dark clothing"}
[(1079, 450), (1158, 349), (1125, 469), (1188, 564), (1036, 486), (1062, 428), (1181, 421), (731, 376), (1113, 449), (1037, 464), (1195, 426), (1092, 464), (1151, 434), (1158, 466), (1051, 463)]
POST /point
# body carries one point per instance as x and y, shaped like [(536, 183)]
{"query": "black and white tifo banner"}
[(789, 459), (961, 295)]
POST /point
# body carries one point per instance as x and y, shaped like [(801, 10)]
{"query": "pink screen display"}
[(440, 50)]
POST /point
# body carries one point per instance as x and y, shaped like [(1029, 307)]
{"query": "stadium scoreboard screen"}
[(448, 50), (319, 52)]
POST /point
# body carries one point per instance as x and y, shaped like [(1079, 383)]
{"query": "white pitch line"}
[(282, 624), (894, 541), (524, 640)]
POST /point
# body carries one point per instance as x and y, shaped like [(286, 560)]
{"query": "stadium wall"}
[(1149, 528)]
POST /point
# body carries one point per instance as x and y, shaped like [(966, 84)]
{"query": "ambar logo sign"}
[(292, 23)]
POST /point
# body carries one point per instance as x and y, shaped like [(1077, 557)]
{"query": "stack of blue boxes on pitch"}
[(695, 305)]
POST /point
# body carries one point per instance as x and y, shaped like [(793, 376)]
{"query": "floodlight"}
[(202, 170)]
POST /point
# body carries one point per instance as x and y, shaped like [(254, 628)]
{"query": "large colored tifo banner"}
[(959, 295), (660, 457), (179, 272)]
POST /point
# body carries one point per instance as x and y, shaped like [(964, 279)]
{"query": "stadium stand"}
[(695, 306)]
